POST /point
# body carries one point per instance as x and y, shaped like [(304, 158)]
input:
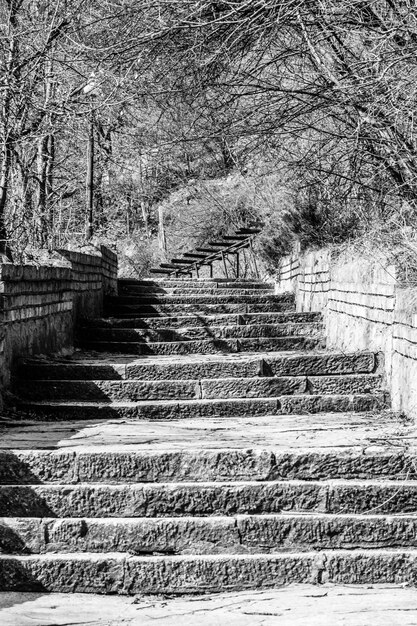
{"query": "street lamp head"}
[(92, 88)]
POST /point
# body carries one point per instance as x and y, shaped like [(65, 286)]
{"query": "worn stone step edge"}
[(128, 465), (205, 499), (205, 346), (296, 329), (211, 388), (191, 321), (234, 407), (249, 365), (121, 573), (240, 534)]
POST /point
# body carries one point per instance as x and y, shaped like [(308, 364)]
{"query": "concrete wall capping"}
[(366, 306), (41, 304)]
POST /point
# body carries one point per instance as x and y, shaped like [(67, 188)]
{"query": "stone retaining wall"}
[(309, 276), (365, 307), (404, 350), (40, 304)]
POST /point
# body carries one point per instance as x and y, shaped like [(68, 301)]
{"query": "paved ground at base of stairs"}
[(301, 605)]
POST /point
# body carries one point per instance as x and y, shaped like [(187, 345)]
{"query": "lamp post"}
[(91, 89), (90, 178)]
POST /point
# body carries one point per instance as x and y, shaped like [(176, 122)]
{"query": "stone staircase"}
[(203, 439)]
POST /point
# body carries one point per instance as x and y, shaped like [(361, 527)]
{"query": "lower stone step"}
[(121, 573), (209, 499), (241, 534), (138, 390), (205, 346), (129, 465), (192, 367), (166, 409)]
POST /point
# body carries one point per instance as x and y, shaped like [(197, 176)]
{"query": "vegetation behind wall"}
[(301, 114)]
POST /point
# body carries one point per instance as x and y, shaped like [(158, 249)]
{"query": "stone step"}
[(136, 390), (201, 499), (163, 310), (213, 283), (205, 346), (239, 534), (121, 573), (115, 301), (217, 462), (182, 409), (299, 329), (206, 321), (155, 292), (211, 366), (122, 498)]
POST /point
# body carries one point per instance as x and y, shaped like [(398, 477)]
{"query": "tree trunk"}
[(42, 193), (46, 149), (145, 216), (6, 135), (161, 232), (50, 185), (4, 184)]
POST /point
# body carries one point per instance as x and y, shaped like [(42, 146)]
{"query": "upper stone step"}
[(213, 283), (203, 346), (114, 301), (184, 409), (158, 310), (154, 292), (288, 329), (207, 321)]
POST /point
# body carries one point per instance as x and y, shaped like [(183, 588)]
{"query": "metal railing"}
[(203, 256)]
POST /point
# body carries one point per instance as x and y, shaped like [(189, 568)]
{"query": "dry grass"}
[(392, 242), (137, 255)]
